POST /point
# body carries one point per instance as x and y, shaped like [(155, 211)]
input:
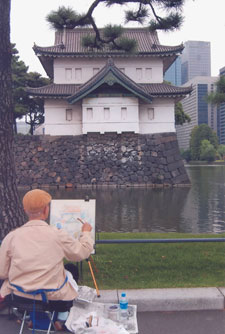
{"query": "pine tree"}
[(146, 13), (218, 96), (198, 134), (22, 103), (180, 116), (11, 211), (34, 113)]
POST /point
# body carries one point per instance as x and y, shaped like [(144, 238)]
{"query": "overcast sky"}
[(204, 21)]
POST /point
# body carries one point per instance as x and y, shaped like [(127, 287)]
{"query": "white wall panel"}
[(77, 71), (163, 117), (109, 114), (55, 118)]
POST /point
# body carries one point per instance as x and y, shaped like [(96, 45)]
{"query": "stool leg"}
[(51, 317), (23, 321)]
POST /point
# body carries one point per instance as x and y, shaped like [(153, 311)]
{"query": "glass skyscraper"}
[(221, 116), (173, 74), (195, 60), (197, 107)]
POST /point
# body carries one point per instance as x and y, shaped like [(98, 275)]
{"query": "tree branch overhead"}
[(162, 15)]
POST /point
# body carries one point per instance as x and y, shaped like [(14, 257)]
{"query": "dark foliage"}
[(67, 18)]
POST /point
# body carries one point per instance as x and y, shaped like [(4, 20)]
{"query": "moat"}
[(196, 209)]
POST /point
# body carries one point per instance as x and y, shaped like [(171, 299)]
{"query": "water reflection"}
[(197, 209), (134, 209), (206, 201)]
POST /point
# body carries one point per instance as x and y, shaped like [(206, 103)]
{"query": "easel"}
[(89, 261)]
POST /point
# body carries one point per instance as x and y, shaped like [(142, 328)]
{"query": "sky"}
[(204, 21)]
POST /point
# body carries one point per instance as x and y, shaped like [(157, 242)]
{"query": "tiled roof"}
[(163, 89), (68, 90), (156, 89), (70, 44), (109, 74), (54, 90)]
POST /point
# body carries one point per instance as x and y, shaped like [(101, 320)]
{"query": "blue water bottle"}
[(123, 306)]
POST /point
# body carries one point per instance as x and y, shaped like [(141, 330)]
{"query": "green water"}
[(197, 209)]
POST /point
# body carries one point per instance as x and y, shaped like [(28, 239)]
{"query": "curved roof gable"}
[(64, 91), (69, 43), (166, 90), (109, 75)]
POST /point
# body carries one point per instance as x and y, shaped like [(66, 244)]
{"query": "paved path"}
[(162, 311), (188, 322)]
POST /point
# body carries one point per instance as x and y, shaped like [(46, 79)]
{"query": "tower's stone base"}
[(110, 159)]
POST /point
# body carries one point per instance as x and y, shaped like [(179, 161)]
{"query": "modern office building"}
[(195, 60), (173, 74), (197, 107), (221, 116)]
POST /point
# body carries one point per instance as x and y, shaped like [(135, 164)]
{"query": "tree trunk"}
[(11, 211), (31, 128), (15, 126)]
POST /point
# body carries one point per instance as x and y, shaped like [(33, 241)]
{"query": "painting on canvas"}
[(65, 213)]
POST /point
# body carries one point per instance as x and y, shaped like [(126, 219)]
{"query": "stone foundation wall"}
[(99, 159)]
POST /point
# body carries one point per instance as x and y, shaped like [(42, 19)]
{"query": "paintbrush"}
[(80, 220), (90, 321)]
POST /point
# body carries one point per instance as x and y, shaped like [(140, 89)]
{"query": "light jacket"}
[(32, 257)]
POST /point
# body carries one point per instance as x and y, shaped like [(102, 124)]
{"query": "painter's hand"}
[(86, 227)]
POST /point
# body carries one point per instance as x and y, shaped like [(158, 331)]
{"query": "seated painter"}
[(32, 255)]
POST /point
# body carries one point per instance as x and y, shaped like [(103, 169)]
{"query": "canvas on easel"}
[(65, 213)]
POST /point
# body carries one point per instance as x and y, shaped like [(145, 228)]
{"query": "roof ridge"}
[(69, 90), (91, 29), (102, 75)]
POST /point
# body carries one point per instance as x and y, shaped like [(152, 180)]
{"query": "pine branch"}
[(69, 19), (137, 16), (169, 23), (112, 32), (170, 4), (126, 44)]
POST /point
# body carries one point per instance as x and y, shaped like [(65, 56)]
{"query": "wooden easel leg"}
[(93, 277), (93, 263)]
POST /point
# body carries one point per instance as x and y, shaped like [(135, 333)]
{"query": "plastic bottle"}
[(123, 306)]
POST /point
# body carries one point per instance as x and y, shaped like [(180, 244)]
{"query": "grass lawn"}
[(135, 266)]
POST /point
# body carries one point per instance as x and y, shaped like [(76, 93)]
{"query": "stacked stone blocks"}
[(111, 159)]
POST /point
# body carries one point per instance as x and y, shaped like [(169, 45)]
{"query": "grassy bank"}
[(134, 266)]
